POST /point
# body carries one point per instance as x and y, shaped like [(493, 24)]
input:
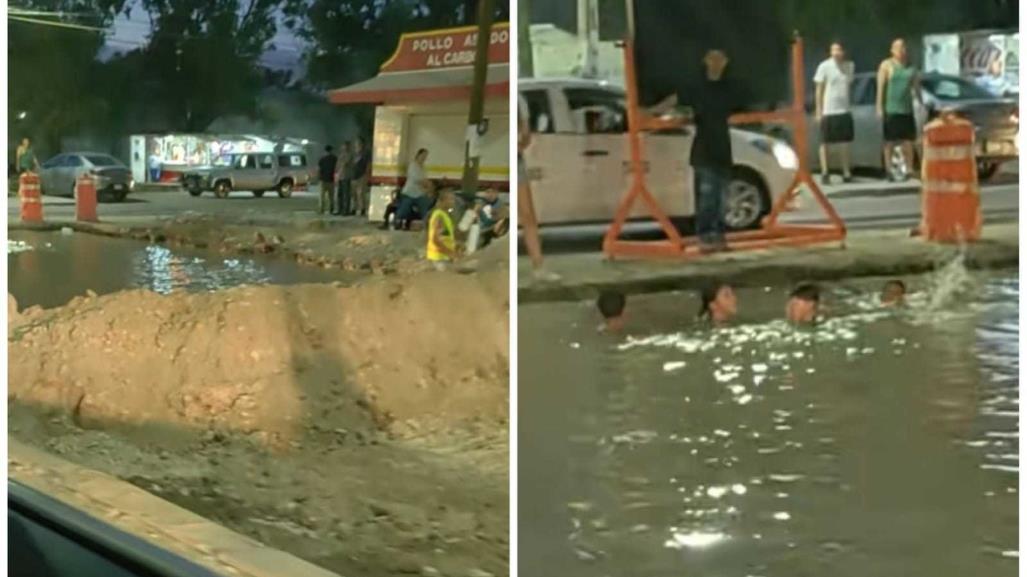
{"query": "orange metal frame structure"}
[(771, 233)]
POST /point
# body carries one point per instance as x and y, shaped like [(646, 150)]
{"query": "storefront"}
[(422, 97)]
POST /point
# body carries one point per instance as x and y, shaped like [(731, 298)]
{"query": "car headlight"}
[(785, 156), (782, 153)]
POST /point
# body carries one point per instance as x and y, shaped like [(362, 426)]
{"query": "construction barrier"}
[(771, 233), (31, 201), (85, 199), (951, 196)]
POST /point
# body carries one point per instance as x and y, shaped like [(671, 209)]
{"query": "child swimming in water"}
[(803, 304), (718, 303), (894, 293), (611, 305)]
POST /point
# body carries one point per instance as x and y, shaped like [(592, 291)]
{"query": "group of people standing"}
[(898, 88), (715, 95), (345, 179)]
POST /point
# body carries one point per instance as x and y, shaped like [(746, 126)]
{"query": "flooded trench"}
[(49, 269), (879, 443)]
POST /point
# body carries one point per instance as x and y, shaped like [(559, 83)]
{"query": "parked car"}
[(58, 175), (257, 172), (578, 160), (996, 119)]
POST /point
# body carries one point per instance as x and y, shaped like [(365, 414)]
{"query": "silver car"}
[(997, 122), (257, 172), (113, 179)]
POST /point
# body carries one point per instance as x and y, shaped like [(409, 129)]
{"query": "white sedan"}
[(579, 169)]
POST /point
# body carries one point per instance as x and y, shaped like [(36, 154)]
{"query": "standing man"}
[(360, 175), (415, 191), (898, 84), (713, 98), (343, 182), (25, 158), (155, 164), (834, 81), (326, 174)]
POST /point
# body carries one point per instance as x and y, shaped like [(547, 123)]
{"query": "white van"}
[(579, 169)]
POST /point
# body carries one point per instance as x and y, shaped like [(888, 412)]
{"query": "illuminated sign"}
[(451, 48)]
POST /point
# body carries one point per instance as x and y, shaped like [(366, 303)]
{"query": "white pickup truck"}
[(578, 160)]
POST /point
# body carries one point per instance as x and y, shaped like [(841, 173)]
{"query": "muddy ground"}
[(361, 428)]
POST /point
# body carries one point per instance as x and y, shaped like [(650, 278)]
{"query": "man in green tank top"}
[(898, 84)]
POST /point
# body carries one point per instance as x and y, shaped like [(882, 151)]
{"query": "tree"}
[(47, 106)]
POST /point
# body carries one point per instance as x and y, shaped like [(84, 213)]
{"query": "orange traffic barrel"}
[(951, 196), (31, 201), (85, 199)]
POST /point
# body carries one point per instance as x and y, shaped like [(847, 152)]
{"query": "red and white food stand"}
[(422, 97)]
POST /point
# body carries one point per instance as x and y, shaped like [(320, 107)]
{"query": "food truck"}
[(165, 158), (422, 100), (990, 58)]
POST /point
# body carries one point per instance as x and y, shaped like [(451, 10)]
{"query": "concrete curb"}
[(135, 511), (866, 253)]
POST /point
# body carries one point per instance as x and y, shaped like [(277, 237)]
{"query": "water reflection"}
[(49, 269), (878, 442)]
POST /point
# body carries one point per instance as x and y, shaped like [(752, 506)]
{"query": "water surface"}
[(879, 443)]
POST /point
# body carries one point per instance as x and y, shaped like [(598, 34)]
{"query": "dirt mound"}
[(412, 355)]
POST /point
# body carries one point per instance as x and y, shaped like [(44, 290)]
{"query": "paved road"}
[(865, 205), (159, 204)]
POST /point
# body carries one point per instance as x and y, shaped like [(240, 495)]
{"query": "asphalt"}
[(175, 202)]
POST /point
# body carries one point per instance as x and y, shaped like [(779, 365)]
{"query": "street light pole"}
[(525, 58), (472, 151)]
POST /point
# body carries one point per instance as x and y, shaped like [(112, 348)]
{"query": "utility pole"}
[(525, 58), (472, 150)]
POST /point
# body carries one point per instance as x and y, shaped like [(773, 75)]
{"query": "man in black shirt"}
[(713, 99), (326, 173)]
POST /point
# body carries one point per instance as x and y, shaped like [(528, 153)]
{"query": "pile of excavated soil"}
[(361, 428), (428, 351)]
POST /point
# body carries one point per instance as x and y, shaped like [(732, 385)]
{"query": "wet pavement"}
[(879, 443)]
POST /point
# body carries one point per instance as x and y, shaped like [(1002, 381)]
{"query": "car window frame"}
[(535, 113), (607, 97), (55, 162), (270, 164), (73, 161)]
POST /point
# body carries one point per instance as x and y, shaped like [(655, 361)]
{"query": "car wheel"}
[(258, 193), (746, 200), (986, 170), (120, 195), (222, 188), (285, 189), (195, 191)]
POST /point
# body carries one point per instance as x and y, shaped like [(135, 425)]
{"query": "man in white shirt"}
[(415, 192), (834, 81)]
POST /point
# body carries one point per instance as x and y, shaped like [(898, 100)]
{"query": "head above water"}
[(893, 293), (803, 303), (837, 51), (898, 49), (715, 61), (421, 156), (718, 303), (611, 305)]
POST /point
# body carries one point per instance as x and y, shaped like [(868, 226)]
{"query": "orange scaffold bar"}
[(771, 233)]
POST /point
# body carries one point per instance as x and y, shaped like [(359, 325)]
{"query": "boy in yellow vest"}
[(441, 232)]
